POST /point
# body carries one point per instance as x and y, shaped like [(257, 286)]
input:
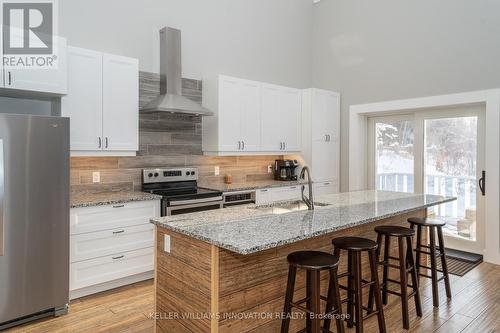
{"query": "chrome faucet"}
[(309, 201)]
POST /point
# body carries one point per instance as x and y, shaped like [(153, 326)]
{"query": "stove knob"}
[(156, 174), (192, 173), (150, 175)]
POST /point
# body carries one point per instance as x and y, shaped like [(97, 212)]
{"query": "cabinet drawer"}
[(324, 188), (263, 196), (104, 243), (91, 219), (286, 193), (91, 272)]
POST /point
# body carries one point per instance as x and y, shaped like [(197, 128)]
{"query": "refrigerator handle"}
[(2, 194)]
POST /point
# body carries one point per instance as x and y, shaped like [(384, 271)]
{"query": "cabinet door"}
[(291, 113), (229, 114), (325, 115), (83, 104), (286, 193), (324, 161), (52, 81), (120, 103), (272, 121), (250, 115)]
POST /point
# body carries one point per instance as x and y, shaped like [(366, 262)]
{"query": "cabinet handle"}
[(326, 184), (329, 138), (263, 190), (100, 142), (284, 145), (239, 145), (118, 206), (106, 140), (243, 147), (118, 232), (119, 257), (293, 187), (10, 78)]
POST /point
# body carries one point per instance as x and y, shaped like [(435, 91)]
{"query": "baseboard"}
[(74, 294)]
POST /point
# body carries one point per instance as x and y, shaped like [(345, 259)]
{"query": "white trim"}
[(102, 153), (78, 293), (358, 115)]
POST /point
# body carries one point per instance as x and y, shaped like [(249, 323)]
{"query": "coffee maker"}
[(285, 169)]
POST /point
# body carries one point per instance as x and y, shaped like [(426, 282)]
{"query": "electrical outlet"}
[(166, 243), (269, 169), (96, 177), (216, 170)]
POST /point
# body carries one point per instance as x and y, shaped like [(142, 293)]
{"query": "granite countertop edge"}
[(112, 198), (249, 186), (267, 246)]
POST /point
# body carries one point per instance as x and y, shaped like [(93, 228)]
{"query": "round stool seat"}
[(354, 243), (428, 222), (313, 260), (394, 230)]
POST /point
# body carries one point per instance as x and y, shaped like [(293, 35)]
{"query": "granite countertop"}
[(246, 230), (250, 185), (89, 199)]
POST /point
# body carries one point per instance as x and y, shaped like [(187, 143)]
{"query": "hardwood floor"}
[(475, 308)]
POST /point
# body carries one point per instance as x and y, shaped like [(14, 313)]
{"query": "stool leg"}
[(371, 296), (418, 260), (309, 292), (350, 287), (315, 307), (378, 298), (432, 239), (414, 279), (444, 264), (404, 283), (358, 299), (387, 252), (290, 287), (334, 303)]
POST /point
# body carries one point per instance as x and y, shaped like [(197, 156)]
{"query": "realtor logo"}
[(29, 34), (28, 27)]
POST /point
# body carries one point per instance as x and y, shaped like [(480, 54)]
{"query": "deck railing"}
[(464, 188)]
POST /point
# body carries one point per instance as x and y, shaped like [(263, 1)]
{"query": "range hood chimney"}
[(171, 99)]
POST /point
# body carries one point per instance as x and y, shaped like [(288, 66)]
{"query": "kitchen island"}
[(226, 270)]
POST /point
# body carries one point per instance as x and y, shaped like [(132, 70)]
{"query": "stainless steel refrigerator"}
[(34, 217)]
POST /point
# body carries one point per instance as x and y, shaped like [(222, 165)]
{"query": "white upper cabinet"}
[(250, 117), (50, 81), (84, 84), (281, 115), (120, 103), (321, 132), (235, 129), (102, 103)]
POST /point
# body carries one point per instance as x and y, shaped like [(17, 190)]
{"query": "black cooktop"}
[(187, 193)]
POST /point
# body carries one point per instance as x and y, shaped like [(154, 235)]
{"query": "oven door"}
[(191, 206)]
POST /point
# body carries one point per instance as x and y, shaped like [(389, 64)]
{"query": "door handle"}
[(243, 147), (100, 142), (10, 78), (284, 145), (2, 194), (106, 140), (482, 183)]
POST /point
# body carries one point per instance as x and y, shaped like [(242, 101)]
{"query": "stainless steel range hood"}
[(171, 99)]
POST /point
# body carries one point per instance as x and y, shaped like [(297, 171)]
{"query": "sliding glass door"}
[(436, 152)]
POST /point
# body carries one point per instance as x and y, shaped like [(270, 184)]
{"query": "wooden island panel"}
[(215, 280)]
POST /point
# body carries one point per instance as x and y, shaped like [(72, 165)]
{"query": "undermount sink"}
[(286, 207)]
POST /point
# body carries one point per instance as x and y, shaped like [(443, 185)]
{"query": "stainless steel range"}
[(180, 191)]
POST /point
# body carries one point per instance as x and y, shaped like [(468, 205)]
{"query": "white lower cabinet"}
[(269, 195), (111, 246), (324, 188)]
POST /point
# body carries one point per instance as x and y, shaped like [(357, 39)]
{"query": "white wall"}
[(382, 50), (266, 40)]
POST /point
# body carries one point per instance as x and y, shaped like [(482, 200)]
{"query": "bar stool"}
[(434, 226), (355, 283), (313, 262), (406, 265)]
